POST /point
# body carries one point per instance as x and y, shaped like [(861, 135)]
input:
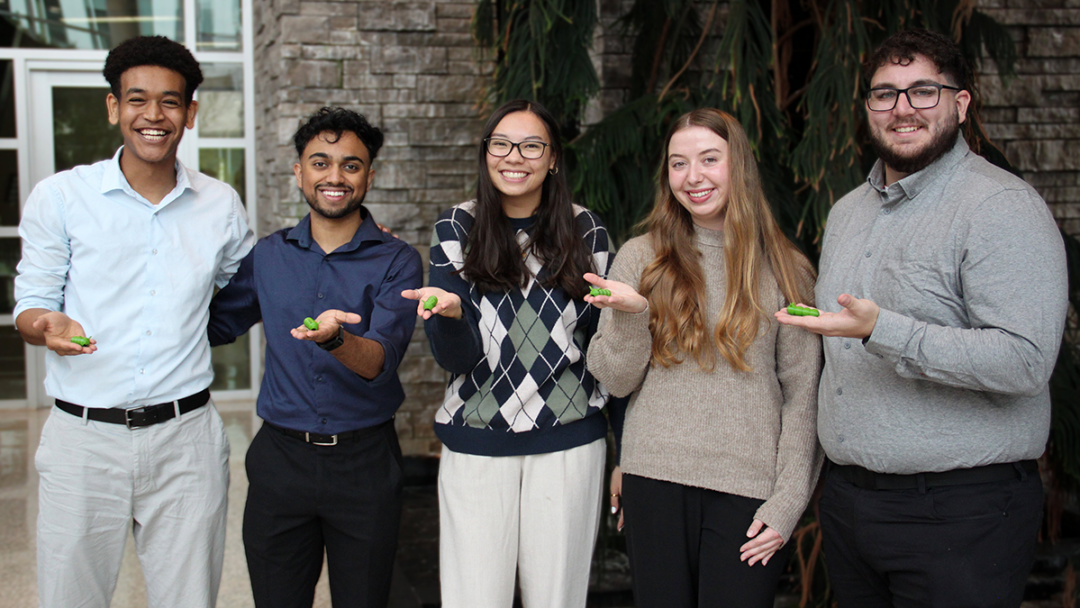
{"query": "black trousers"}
[(684, 547), (304, 499), (948, 547)]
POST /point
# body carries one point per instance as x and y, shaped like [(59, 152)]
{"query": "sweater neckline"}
[(708, 238)]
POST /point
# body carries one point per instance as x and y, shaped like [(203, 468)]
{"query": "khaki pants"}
[(166, 482)]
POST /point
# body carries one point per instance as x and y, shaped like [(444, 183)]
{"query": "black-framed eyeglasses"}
[(919, 97), (531, 150)]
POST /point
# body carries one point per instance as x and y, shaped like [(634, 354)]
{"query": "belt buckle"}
[(127, 417), (307, 437)]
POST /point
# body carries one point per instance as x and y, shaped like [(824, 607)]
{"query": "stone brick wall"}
[(1035, 117), (410, 68)]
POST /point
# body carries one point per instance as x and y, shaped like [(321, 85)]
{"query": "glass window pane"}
[(218, 25), (12, 364), (87, 24), (9, 188), (10, 252), (232, 365), (226, 164), (81, 135), (221, 101), (7, 95)]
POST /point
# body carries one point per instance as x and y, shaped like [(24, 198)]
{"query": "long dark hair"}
[(493, 260)]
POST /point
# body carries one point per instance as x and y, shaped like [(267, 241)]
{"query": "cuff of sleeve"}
[(779, 518), (890, 335), (631, 323), (453, 329), (389, 364)]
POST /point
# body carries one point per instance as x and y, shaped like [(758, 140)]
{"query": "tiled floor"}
[(19, 434)]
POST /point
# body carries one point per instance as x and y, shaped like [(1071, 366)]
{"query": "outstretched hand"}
[(58, 330), (623, 297), (765, 543), (448, 304), (856, 320), (330, 322)]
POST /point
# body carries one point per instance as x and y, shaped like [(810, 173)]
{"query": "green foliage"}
[(789, 70), (541, 51)]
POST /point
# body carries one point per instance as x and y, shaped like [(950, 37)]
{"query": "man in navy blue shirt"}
[(325, 468)]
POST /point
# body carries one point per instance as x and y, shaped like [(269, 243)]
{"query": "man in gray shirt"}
[(943, 293)]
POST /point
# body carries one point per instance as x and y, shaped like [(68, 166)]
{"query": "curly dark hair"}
[(153, 50), (902, 47), (339, 120)]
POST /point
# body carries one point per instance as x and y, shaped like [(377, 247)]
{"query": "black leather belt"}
[(869, 480), (134, 418), (317, 439)]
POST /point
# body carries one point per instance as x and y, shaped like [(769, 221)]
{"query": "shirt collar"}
[(915, 183), (114, 179), (367, 232)]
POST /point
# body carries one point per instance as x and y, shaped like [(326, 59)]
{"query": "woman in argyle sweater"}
[(523, 435)]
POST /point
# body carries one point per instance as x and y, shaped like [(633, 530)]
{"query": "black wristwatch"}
[(332, 343)]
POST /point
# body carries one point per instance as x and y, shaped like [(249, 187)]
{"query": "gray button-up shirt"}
[(968, 268)]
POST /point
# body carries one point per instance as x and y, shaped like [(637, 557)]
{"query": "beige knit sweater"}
[(746, 433)]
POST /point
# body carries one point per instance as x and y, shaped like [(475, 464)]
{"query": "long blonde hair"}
[(674, 282)]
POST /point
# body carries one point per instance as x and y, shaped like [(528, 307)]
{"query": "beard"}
[(911, 162), (333, 214)]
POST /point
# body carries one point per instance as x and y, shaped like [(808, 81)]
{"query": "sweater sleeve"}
[(455, 343), (620, 351), (799, 455)]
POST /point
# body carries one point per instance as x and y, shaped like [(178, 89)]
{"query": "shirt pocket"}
[(923, 289)]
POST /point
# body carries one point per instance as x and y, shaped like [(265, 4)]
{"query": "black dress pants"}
[(304, 499), (684, 548), (963, 546)]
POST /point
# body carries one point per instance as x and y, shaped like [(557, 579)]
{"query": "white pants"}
[(534, 516), (166, 482)]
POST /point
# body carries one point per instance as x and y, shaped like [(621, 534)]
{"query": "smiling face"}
[(698, 174), (151, 114), (334, 175), (906, 139), (520, 180)]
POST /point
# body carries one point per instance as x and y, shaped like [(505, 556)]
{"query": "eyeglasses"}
[(919, 97), (531, 150)]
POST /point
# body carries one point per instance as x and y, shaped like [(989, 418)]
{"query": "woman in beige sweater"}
[(719, 448)]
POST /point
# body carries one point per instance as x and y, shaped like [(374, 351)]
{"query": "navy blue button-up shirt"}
[(287, 277)]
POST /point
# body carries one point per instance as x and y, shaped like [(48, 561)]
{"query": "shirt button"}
[(320, 296), (840, 439), (868, 254), (154, 251), (887, 211), (318, 378), (142, 371), (148, 332), (153, 293), (839, 391), (323, 421), (847, 344)]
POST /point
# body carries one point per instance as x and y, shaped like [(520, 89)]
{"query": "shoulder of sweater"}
[(637, 247)]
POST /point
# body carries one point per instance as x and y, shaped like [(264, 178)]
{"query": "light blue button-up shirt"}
[(137, 276)]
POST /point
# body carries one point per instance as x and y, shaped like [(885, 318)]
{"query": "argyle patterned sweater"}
[(518, 381)]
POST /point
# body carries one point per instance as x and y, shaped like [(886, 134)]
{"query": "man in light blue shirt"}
[(127, 252)]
